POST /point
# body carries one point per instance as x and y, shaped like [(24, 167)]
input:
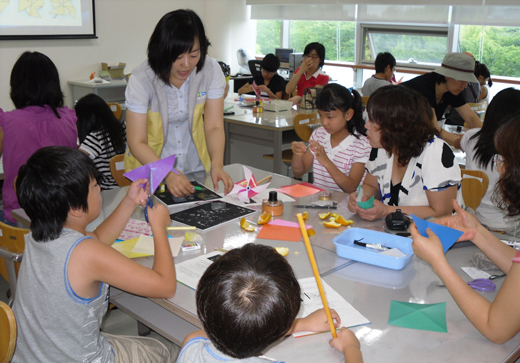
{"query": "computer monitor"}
[(283, 55)]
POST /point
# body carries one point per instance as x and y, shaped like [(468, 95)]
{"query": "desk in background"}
[(271, 129), (110, 92), (368, 288)]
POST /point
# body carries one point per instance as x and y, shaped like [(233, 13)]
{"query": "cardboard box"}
[(116, 72)]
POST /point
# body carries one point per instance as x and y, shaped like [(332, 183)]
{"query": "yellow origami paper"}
[(31, 7), (63, 7)]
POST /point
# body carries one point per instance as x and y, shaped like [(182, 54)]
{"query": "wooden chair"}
[(116, 109), (303, 126), (7, 333), (117, 169), (474, 187), (12, 245), (364, 101)]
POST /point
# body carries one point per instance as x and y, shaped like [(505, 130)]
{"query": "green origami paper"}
[(418, 316)]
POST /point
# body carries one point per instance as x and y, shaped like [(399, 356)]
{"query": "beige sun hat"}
[(458, 66)]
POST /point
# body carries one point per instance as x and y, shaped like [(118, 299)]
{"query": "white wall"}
[(123, 28)]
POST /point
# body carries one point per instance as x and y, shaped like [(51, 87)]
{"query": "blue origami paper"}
[(447, 235), (160, 169)]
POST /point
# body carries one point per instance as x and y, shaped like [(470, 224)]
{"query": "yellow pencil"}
[(264, 179), (180, 228), (316, 275)]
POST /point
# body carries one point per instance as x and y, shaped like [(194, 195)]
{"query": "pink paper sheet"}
[(299, 190)]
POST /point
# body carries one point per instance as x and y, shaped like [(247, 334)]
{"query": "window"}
[(337, 37), (415, 47), (496, 47), (268, 36)]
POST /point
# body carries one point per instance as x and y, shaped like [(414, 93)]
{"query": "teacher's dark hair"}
[(35, 82), (508, 186), (335, 96), (175, 35), (504, 104), (54, 180), (404, 117), (247, 299)]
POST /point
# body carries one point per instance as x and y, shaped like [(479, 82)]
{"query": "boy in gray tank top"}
[(62, 291), (248, 299)]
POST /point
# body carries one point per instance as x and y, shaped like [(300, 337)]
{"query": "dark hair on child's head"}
[(94, 114), (35, 82), (270, 63), (174, 35), (336, 97), (404, 117), (54, 181), (504, 104), (319, 48), (384, 60), (248, 299), (482, 70), (507, 190)]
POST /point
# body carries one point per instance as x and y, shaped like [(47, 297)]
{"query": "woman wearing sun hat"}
[(443, 88)]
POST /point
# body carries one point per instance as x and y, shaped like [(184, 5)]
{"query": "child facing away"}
[(248, 299), (101, 135), (62, 291), (497, 320), (40, 119), (339, 149)]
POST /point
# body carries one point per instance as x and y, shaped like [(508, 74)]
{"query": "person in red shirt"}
[(309, 73)]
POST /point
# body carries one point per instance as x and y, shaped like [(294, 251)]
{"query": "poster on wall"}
[(47, 19)]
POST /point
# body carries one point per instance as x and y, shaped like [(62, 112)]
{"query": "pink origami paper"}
[(248, 188), (160, 169)]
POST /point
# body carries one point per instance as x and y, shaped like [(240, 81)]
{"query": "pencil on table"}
[(316, 275), (180, 228), (264, 179)]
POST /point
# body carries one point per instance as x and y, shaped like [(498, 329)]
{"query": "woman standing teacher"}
[(175, 105)]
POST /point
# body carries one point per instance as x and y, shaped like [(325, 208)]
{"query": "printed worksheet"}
[(311, 301), (189, 272)]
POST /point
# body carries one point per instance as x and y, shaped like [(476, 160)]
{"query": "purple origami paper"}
[(160, 169)]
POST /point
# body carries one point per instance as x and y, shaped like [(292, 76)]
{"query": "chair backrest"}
[(301, 124), (474, 186), (12, 239), (117, 169), (116, 109), (7, 333), (364, 100), (255, 67)]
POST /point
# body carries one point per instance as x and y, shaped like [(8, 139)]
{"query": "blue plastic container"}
[(346, 248)]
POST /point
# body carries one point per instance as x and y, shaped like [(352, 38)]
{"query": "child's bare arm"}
[(108, 231), (348, 344), (317, 321), (96, 262)]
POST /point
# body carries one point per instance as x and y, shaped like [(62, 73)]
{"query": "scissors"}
[(149, 202), (482, 285)]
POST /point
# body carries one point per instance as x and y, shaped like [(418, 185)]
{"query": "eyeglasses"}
[(498, 160), (313, 57)]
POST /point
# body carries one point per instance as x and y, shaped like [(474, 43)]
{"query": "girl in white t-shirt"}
[(478, 144), (339, 149)]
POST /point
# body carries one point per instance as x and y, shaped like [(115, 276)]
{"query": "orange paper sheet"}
[(299, 190), (280, 233)]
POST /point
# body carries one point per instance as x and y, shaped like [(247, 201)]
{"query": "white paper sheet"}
[(311, 301), (189, 272)]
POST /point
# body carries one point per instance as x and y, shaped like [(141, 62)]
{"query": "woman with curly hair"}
[(498, 320), (480, 150), (410, 167)]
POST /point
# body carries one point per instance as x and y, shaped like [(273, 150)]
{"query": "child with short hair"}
[(248, 299), (339, 149), (62, 291)]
